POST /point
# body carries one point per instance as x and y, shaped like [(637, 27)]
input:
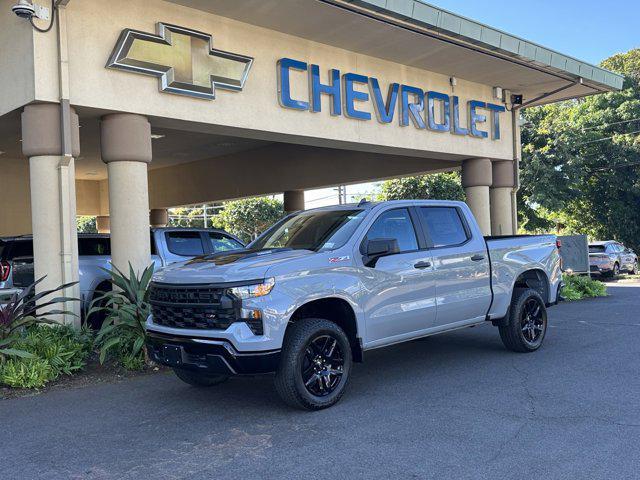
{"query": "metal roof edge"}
[(453, 25)]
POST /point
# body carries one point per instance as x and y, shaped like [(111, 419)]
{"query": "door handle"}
[(477, 258), (421, 265)]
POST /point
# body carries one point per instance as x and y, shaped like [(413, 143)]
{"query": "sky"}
[(589, 30)]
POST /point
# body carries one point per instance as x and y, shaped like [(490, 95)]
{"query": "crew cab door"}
[(400, 295), (461, 265)]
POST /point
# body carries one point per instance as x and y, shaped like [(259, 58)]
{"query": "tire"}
[(634, 268), (527, 324), (198, 379), (315, 364), (96, 319), (616, 270)]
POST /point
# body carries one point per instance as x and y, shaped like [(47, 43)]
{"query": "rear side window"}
[(396, 224), (187, 244), (222, 243), (20, 248), (444, 226), (94, 246)]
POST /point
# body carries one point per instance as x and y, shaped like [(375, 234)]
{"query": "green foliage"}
[(580, 165), (437, 186), (578, 287), (54, 350), (21, 312), (87, 224), (25, 372), (64, 348), (123, 334), (249, 217)]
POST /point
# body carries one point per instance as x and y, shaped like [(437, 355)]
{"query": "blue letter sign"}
[(442, 112)]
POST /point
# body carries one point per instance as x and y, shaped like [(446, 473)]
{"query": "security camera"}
[(24, 9)]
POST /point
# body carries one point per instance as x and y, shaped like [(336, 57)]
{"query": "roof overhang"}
[(414, 33)]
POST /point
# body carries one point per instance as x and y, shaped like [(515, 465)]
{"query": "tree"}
[(437, 186), (86, 224), (249, 217), (581, 161)]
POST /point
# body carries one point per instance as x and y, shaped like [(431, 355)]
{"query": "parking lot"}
[(453, 406)]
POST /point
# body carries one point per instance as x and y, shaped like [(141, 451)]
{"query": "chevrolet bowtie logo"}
[(184, 60)]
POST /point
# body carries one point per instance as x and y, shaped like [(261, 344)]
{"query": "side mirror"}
[(379, 247)]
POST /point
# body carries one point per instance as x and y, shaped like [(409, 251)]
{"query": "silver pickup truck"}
[(168, 245), (321, 287)]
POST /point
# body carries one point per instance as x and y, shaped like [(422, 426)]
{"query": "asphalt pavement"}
[(454, 406)]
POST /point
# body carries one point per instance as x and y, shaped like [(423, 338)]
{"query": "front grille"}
[(195, 307)]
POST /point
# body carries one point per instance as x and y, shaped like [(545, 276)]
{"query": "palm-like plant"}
[(126, 308), (22, 311)]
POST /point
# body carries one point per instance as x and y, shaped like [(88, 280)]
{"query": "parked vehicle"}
[(321, 287), (168, 245), (609, 258)]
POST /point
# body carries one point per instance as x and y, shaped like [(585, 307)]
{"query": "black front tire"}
[(296, 360), (517, 334), (198, 379)]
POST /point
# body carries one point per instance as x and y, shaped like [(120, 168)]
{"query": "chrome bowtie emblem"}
[(184, 60)]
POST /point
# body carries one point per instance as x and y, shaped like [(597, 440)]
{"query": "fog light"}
[(253, 319)]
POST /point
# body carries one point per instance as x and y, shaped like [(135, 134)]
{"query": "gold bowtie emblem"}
[(184, 60)]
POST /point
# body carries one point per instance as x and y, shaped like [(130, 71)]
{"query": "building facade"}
[(126, 108)]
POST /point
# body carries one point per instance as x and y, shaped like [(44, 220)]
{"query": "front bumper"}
[(213, 356)]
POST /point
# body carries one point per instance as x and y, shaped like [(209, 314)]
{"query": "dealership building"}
[(126, 108)]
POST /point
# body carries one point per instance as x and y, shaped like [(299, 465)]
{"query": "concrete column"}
[(500, 197), (53, 203), (293, 201), (125, 142), (103, 224), (476, 180), (159, 217)]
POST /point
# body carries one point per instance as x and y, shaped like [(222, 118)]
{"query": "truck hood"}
[(232, 266)]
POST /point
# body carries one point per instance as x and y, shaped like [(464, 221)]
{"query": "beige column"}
[(103, 224), (500, 197), (476, 180), (159, 217), (53, 203), (125, 142), (293, 201)]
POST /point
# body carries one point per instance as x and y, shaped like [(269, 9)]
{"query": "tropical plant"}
[(126, 308), (25, 372), (23, 311)]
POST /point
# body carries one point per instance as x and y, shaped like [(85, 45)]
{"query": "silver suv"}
[(609, 258)]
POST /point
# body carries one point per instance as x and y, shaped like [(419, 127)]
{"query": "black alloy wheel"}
[(533, 321), (322, 368)]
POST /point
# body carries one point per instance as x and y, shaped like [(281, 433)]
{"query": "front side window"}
[(396, 224), (222, 243), (187, 244), (316, 230), (444, 226)]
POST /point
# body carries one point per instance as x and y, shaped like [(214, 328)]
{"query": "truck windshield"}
[(315, 230)]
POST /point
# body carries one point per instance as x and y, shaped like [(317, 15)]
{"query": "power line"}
[(607, 138)]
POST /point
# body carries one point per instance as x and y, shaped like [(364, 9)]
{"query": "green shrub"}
[(578, 287), (64, 348), (25, 372)]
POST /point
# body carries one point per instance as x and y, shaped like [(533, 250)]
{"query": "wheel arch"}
[(338, 311), (536, 279)]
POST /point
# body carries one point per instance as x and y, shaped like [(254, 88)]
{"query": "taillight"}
[(558, 243), (5, 270)]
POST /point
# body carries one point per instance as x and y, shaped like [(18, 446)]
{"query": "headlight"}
[(256, 290)]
